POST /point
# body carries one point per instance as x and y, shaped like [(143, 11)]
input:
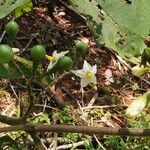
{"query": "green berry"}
[(63, 63), (81, 48), (12, 28), (6, 54), (38, 52)]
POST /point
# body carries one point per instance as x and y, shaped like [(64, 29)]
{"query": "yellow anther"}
[(50, 58), (89, 74)]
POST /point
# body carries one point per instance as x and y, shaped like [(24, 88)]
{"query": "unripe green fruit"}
[(63, 63), (38, 52), (12, 28), (6, 54), (81, 48)]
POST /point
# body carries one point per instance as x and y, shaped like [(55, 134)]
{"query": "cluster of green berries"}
[(37, 52)]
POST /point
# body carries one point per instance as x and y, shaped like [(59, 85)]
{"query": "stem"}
[(10, 120), (78, 129), (38, 143), (35, 66), (49, 72), (23, 61), (31, 101)]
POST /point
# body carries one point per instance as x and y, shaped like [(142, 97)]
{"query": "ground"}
[(58, 27)]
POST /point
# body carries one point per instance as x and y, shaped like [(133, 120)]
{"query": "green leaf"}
[(27, 7), (9, 73), (7, 6), (134, 16), (86, 7), (9, 142), (40, 118), (116, 34)]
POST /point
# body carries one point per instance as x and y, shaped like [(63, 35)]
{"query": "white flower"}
[(87, 74), (137, 106), (54, 58)]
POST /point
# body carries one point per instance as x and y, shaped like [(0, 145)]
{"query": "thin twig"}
[(45, 106), (59, 78), (2, 36), (20, 71), (101, 107), (143, 79), (123, 62), (29, 43), (69, 146), (92, 101), (12, 88), (99, 142)]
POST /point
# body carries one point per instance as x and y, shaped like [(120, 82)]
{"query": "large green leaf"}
[(134, 16), (7, 6), (116, 34)]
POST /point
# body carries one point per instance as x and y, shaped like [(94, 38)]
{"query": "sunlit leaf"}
[(137, 106), (7, 6), (140, 70), (123, 26), (27, 7)]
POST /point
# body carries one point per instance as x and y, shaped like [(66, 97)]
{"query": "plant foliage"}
[(7, 6), (121, 27)]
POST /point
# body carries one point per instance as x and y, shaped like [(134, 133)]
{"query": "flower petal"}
[(93, 80), (86, 66), (84, 83), (94, 69), (64, 53), (79, 73), (54, 53), (51, 64), (55, 57), (59, 55)]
